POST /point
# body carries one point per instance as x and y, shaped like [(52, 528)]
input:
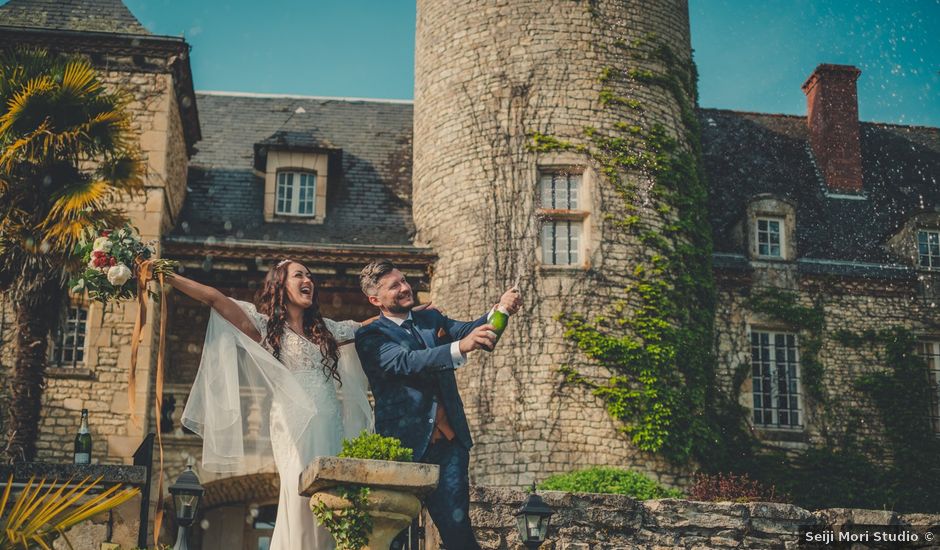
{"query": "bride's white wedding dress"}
[(310, 413)]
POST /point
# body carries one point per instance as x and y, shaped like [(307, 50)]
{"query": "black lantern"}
[(532, 520), (186, 494)]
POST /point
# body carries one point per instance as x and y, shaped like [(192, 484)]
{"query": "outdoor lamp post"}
[(186, 494), (532, 520)]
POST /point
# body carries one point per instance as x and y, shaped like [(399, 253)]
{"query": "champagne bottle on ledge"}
[(83, 442)]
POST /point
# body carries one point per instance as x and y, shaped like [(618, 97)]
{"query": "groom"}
[(410, 357)]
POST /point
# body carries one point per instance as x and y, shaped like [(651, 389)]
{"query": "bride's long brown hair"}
[(272, 301)]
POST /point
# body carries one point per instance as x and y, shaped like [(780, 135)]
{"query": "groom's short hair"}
[(371, 274)]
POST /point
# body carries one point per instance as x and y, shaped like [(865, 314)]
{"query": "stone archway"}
[(228, 506)]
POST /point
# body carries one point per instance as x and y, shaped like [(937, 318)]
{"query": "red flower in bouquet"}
[(111, 261)]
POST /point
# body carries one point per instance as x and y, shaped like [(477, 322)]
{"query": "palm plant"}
[(44, 510), (66, 154)]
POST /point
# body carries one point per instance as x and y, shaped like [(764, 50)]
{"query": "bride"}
[(285, 357)]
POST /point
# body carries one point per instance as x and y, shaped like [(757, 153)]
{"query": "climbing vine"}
[(655, 337), (851, 470), (810, 321), (656, 341)]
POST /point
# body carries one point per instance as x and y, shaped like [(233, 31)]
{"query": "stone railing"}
[(588, 521), (174, 398)]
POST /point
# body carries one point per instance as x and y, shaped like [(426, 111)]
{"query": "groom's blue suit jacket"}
[(408, 377)]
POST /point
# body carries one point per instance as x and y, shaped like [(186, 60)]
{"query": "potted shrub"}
[(369, 493)]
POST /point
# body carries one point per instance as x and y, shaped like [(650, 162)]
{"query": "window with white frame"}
[(928, 248), (770, 237), (775, 377), (68, 344), (930, 351), (562, 219), (296, 193)]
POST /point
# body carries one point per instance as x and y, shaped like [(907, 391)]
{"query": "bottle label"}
[(82, 458)]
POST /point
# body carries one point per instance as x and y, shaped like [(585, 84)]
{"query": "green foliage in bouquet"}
[(609, 480), (112, 261), (352, 526)]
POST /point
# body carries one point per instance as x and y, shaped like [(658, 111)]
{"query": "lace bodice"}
[(297, 352)]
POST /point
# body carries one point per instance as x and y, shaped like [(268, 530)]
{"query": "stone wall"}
[(489, 76), (100, 383), (590, 521), (848, 304)]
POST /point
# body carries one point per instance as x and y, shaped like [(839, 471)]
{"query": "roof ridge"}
[(257, 95), (109, 16), (785, 115)]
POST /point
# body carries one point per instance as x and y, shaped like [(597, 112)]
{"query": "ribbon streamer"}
[(144, 276)]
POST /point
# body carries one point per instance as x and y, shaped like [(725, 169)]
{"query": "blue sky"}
[(752, 55)]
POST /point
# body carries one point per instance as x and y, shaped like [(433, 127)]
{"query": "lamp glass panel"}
[(543, 527), (186, 505), (533, 527)]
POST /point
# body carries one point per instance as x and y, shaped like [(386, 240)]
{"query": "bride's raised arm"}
[(212, 297)]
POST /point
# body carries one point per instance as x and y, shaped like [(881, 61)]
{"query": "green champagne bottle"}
[(83, 441), (499, 319)]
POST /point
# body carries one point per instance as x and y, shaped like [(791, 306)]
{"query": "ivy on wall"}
[(657, 341), (849, 470)]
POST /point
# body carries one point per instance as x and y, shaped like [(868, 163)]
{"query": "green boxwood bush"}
[(609, 480), (376, 447)]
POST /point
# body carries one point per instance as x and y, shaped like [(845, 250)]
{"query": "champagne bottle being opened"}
[(83, 441), (499, 319)]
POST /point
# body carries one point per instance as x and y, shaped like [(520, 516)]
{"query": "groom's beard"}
[(398, 310)]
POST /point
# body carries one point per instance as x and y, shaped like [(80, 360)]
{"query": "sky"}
[(752, 55)]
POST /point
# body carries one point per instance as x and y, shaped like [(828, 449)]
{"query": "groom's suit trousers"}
[(449, 504)]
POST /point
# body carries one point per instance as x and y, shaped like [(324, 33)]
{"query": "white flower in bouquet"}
[(119, 274), (103, 244)]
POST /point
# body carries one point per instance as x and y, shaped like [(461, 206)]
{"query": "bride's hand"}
[(429, 305)]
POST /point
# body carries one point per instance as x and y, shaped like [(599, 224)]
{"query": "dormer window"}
[(928, 248), (770, 237), (295, 182), (769, 228), (296, 193)]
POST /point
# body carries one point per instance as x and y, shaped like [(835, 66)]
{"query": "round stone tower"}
[(518, 106)]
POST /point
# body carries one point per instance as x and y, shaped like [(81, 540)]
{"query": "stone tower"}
[(518, 106)]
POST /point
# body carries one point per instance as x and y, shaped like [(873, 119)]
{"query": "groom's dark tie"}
[(410, 328), (442, 427)]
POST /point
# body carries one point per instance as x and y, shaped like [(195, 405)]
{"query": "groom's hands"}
[(511, 300), (481, 337)]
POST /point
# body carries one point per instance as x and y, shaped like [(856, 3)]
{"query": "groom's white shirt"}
[(456, 357)]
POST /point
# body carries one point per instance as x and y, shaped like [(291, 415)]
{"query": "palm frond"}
[(43, 510), (79, 79), (28, 106), (80, 196), (123, 170), (24, 149), (100, 132)]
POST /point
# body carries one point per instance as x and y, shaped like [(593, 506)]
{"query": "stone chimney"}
[(832, 115)]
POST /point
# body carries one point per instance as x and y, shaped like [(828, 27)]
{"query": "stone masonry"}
[(849, 304), (489, 76), (590, 521)]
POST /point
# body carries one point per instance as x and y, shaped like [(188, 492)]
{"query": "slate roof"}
[(368, 200), (746, 154), (108, 16)]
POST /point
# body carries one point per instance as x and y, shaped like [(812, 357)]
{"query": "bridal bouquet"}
[(112, 265)]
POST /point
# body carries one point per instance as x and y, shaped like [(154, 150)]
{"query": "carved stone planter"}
[(394, 490)]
